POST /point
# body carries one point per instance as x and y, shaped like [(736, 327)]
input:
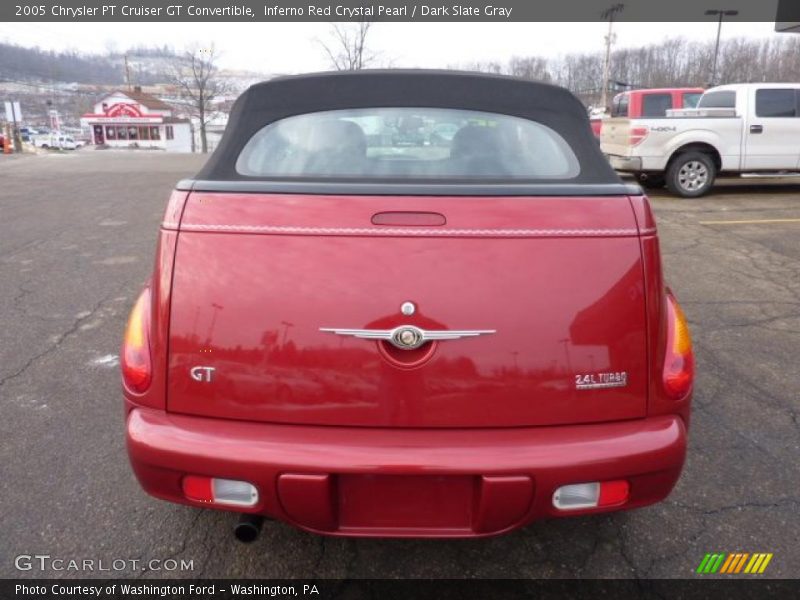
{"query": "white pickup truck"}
[(741, 129), (54, 140)]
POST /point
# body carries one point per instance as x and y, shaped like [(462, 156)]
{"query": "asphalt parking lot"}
[(77, 234)]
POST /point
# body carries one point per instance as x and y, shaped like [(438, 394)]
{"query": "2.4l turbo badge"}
[(595, 381)]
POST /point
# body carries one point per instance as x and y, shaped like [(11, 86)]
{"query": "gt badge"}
[(203, 374)]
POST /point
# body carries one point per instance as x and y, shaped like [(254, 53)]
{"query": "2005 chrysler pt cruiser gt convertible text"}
[(407, 303)]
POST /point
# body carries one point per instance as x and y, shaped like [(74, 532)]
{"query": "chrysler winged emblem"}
[(408, 337)]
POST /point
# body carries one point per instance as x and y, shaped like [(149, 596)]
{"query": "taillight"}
[(636, 135), (679, 357), (137, 365), (597, 494), (219, 491)]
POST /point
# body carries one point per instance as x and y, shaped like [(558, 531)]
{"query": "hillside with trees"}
[(70, 81), (673, 62), (18, 63)]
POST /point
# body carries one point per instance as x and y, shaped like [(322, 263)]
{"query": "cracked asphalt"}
[(77, 234)]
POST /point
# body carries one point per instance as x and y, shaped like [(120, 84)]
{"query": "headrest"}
[(338, 136), (476, 140)]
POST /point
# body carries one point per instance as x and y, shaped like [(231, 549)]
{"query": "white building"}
[(215, 127), (137, 120)]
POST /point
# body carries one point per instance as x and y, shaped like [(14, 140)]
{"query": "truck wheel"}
[(691, 174), (651, 181)]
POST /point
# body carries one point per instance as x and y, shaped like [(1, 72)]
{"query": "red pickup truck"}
[(649, 103), (363, 334)]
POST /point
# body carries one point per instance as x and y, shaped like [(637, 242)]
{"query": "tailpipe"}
[(248, 528)]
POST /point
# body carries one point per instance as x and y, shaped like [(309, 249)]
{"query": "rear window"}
[(691, 99), (619, 106), (723, 99), (656, 105), (407, 143)]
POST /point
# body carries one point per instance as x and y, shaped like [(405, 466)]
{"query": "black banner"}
[(393, 10), (411, 589)]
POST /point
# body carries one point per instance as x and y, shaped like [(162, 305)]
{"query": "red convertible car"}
[(364, 335)]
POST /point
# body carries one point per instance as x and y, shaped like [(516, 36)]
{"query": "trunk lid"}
[(559, 281)]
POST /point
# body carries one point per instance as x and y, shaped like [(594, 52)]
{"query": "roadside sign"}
[(13, 112), (55, 121)]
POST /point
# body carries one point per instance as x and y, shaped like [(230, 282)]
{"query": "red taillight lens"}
[(198, 488), (613, 493), (137, 367), (637, 135), (679, 357), (219, 491)]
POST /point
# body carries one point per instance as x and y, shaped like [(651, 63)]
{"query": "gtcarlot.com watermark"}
[(46, 562)]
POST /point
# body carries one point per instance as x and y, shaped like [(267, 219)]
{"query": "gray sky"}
[(293, 47)]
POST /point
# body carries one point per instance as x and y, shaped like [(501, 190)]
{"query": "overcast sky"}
[(294, 47)]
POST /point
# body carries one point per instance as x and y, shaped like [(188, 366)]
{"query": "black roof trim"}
[(329, 188)]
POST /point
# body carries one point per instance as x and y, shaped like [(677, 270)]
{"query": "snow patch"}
[(109, 360), (117, 260)]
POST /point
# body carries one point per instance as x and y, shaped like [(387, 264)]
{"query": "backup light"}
[(219, 491), (596, 494)]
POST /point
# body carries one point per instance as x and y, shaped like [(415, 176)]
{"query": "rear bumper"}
[(400, 483), (625, 163)]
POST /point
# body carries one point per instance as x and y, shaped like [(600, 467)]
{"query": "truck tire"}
[(691, 174), (651, 181)]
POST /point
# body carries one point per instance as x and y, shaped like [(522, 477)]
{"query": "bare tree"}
[(347, 50), (484, 66), (196, 75), (674, 62), (530, 67)]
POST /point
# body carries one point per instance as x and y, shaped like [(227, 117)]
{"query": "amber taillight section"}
[(137, 364), (679, 356)]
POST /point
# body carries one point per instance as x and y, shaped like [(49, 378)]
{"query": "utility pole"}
[(608, 15), (127, 74), (216, 307), (719, 13), (7, 142), (286, 326), (15, 131)]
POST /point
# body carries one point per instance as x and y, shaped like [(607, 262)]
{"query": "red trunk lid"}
[(559, 281)]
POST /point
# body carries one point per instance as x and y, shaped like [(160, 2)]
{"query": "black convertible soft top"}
[(553, 106)]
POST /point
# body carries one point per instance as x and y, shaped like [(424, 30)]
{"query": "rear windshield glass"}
[(725, 99), (619, 107), (656, 105), (407, 143), (691, 99)]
